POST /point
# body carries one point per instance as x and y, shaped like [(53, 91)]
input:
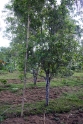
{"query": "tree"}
[(79, 62), (55, 45), (24, 10), (18, 44)]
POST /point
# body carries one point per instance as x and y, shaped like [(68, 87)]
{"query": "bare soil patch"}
[(73, 117), (29, 80), (34, 94)]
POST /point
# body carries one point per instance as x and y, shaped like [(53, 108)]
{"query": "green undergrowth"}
[(79, 74), (13, 75), (75, 95), (8, 75), (63, 104), (71, 82), (75, 80), (3, 72)]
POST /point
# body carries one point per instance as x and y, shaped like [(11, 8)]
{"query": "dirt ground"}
[(37, 94), (73, 117)]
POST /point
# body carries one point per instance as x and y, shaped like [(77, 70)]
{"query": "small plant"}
[(3, 81), (13, 90), (21, 76), (1, 118)]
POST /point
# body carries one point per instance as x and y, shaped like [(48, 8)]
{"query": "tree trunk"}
[(35, 74), (47, 88), (25, 68)]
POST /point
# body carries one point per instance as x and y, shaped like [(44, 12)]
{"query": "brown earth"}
[(73, 117), (37, 94), (34, 94)]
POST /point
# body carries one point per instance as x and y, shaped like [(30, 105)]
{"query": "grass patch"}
[(3, 72), (71, 82), (75, 95), (60, 105), (80, 74), (55, 106), (57, 83), (13, 75)]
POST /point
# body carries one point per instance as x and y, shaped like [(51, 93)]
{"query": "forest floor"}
[(37, 94)]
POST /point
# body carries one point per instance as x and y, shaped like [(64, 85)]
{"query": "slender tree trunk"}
[(35, 74), (47, 88), (25, 68)]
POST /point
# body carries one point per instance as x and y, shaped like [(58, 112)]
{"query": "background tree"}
[(7, 56)]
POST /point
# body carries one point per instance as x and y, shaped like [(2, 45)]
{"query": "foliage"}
[(8, 59), (55, 35), (3, 81)]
